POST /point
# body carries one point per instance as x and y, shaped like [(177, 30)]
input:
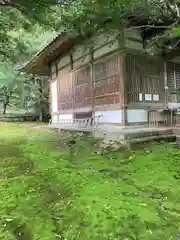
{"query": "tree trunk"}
[(4, 108), (41, 116)]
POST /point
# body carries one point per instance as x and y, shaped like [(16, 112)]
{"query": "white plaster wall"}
[(64, 61), (80, 52), (54, 119), (102, 39), (133, 33), (133, 45), (65, 117), (110, 116), (106, 49), (64, 71), (54, 96), (173, 105), (138, 115), (81, 62)]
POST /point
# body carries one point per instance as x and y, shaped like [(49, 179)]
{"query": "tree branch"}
[(173, 8), (152, 26)]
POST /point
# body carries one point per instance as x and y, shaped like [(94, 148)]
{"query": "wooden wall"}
[(82, 87), (108, 81), (104, 79), (173, 81), (93, 78), (97, 84), (144, 80)]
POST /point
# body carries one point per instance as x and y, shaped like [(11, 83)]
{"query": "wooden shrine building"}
[(112, 78)]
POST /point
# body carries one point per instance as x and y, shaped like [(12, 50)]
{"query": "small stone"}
[(116, 147), (107, 142), (147, 152), (112, 142), (80, 134), (9, 220), (99, 153)]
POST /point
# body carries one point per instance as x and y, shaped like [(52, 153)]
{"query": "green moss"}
[(54, 188)]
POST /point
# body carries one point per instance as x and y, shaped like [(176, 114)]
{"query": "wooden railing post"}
[(91, 122), (166, 95), (148, 116), (124, 115)]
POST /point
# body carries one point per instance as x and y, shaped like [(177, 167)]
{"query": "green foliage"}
[(10, 85), (91, 17), (36, 95), (16, 88), (50, 192), (18, 16), (83, 17)]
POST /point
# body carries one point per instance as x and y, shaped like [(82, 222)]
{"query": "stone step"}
[(144, 134), (176, 130), (133, 135), (153, 138)]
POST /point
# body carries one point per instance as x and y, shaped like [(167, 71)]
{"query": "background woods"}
[(28, 25)]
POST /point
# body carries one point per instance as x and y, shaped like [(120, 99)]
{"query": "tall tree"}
[(10, 87), (13, 85), (36, 93), (17, 16), (21, 36), (82, 17)]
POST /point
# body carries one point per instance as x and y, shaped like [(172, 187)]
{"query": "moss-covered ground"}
[(55, 186)]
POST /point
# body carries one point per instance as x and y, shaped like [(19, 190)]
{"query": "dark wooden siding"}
[(173, 80), (97, 84), (82, 87), (65, 92), (107, 81), (144, 75)]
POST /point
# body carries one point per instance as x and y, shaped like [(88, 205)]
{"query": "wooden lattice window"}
[(65, 92), (144, 79), (173, 80), (107, 81), (106, 68), (82, 87)]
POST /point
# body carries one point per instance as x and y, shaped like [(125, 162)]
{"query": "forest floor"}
[(55, 186)]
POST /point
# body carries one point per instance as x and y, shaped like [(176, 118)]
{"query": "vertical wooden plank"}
[(58, 92), (72, 84), (123, 90), (58, 86), (148, 116), (92, 82), (177, 69), (165, 83), (175, 81), (50, 97)]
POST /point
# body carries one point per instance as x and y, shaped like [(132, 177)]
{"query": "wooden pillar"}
[(123, 91), (124, 115), (57, 86), (165, 84), (50, 94), (72, 85), (50, 97), (149, 116), (72, 90), (92, 81)]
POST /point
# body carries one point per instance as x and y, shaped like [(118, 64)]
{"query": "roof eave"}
[(39, 64), (31, 68)]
